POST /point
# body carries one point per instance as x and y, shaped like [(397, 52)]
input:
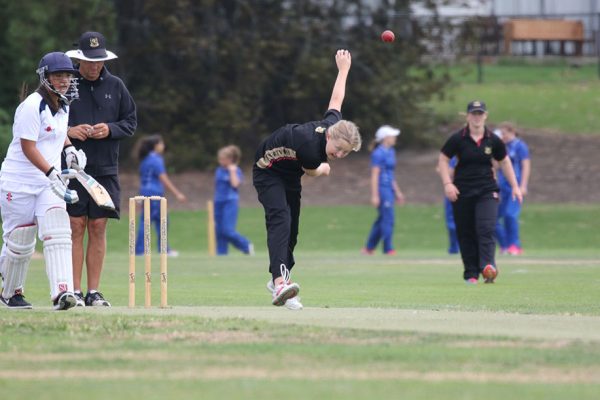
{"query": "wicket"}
[(145, 200)]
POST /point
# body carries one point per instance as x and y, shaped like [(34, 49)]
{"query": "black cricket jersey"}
[(292, 147), (474, 174)]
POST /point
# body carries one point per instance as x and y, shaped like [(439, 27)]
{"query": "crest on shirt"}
[(9, 196), (94, 42), (320, 129), (487, 150)]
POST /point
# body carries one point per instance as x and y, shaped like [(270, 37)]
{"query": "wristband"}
[(49, 171)]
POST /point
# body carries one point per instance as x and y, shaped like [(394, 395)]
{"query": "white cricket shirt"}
[(34, 121)]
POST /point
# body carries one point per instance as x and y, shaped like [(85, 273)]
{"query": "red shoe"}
[(514, 250), (391, 253), (489, 273), (471, 281), (366, 252)]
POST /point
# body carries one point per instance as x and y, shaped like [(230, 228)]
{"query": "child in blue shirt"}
[(153, 180), (384, 190), (228, 177), (507, 228), (449, 214)]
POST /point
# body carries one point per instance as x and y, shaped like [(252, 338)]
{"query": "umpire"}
[(474, 191), (104, 114)]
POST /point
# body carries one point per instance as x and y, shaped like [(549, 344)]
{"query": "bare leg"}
[(77, 233), (96, 250)]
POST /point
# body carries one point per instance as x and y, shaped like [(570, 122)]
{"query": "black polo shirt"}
[(292, 147), (474, 173)]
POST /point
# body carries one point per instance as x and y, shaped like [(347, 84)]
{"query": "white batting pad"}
[(56, 233), (20, 246)]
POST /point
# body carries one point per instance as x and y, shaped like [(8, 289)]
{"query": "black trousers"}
[(475, 219), (282, 214)]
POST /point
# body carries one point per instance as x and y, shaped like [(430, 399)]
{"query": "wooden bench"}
[(561, 30)]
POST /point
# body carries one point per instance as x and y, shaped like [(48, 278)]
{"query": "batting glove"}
[(59, 182), (75, 158)]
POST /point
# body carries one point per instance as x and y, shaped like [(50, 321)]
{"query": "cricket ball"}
[(388, 36)]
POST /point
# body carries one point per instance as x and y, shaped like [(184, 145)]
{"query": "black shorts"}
[(86, 206)]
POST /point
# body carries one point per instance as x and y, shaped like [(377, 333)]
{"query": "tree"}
[(206, 73)]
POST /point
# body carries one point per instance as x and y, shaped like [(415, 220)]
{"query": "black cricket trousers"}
[(282, 214), (475, 219)]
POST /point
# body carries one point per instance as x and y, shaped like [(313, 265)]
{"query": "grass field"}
[(373, 326), (555, 97)]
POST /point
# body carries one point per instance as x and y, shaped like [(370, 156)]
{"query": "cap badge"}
[(319, 129), (476, 104), (94, 42)]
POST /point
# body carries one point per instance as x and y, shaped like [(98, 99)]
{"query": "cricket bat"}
[(96, 190)]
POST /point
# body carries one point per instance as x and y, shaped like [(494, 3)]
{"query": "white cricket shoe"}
[(64, 301), (292, 303)]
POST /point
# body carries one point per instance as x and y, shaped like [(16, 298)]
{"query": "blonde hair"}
[(348, 131), (508, 126), (232, 152)]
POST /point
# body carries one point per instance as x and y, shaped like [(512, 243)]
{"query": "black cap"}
[(93, 45), (476, 105)]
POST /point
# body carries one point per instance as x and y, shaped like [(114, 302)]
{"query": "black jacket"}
[(103, 100)]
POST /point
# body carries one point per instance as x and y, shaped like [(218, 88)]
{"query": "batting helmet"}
[(56, 62)]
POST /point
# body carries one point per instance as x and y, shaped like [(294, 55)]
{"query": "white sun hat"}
[(385, 131)]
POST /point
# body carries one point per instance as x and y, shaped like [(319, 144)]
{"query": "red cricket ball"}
[(388, 36)]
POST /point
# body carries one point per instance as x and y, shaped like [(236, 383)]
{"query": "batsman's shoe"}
[(489, 273), (80, 299), (17, 302), (291, 304), (64, 301), (95, 299), (366, 252), (471, 281)]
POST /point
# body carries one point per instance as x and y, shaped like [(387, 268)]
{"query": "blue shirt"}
[(385, 159), (223, 189), (150, 169), (518, 151)]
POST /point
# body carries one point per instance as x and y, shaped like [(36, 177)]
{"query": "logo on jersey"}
[(320, 129), (275, 155), (108, 96), (487, 150), (94, 42), (48, 128), (9, 196)]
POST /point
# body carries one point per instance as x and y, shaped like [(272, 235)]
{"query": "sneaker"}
[(16, 302), (292, 303), (80, 299), (503, 251), (95, 299), (286, 290), (514, 250), (471, 281), (390, 253), (366, 252), (489, 273), (64, 301), (250, 249)]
